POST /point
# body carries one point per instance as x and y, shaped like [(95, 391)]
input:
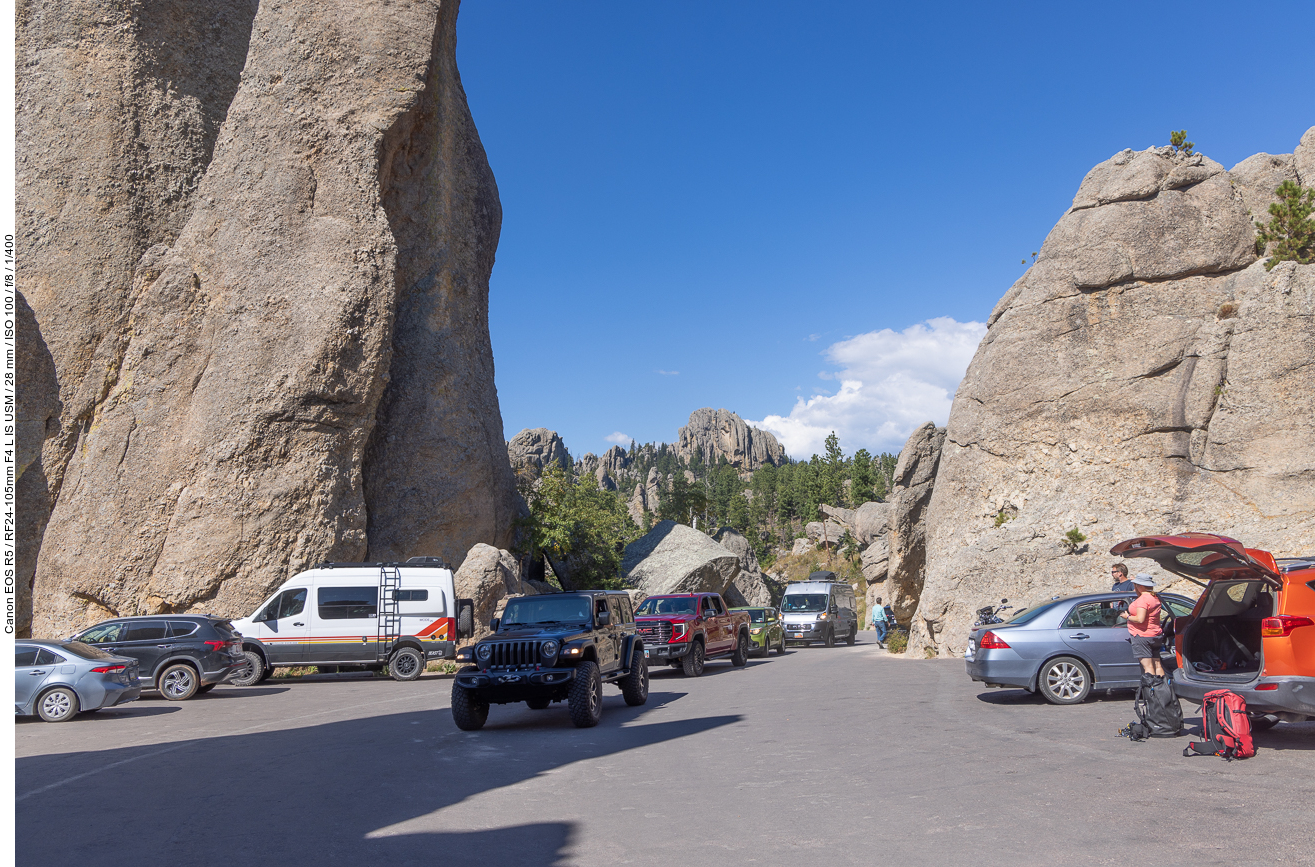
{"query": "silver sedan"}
[(56, 680), (1064, 648)]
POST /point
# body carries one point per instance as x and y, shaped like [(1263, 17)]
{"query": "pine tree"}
[(1290, 229)]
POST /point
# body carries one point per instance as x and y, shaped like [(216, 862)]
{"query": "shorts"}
[(1147, 646)]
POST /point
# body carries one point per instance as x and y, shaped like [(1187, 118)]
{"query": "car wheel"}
[(586, 696), (635, 685), (1064, 680), (179, 682), (253, 672), (830, 640), (204, 689), (741, 654), (692, 662), (538, 703), (468, 712), (1262, 722), (406, 664), (58, 705), (853, 636), (780, 648)]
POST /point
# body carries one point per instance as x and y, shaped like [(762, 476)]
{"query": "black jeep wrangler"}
[(554, 647)]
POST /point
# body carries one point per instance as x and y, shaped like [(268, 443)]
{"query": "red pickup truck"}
[(684, 630)]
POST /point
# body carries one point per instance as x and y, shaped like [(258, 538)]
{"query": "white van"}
[(820, 609), (358, 614)]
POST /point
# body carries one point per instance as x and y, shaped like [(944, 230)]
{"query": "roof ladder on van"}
[(390, 618)]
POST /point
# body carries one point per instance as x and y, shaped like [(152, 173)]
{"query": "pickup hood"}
[(674, 618), (1203, 557)]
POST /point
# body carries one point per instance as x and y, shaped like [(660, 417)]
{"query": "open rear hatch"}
[(1222, 642)]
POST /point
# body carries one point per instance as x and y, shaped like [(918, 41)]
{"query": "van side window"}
[(347, 603), (411, 595), (291, 603)]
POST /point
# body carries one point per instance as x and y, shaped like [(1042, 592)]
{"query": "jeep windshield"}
[(804, 602), (657, 605), (536, 610)]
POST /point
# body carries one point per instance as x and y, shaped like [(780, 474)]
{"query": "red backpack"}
[(1226, 727)]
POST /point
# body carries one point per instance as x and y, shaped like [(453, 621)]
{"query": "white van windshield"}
[(804, 602), (557, 609)]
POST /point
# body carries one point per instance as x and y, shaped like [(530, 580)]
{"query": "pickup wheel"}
[(692, 663), (634, 686), (741, 654), (468, 712), (586, 696)]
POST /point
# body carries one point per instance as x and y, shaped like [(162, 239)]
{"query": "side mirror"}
[(602, 618), (493, 624)]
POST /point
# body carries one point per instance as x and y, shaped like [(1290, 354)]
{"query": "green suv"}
[(765, 631)]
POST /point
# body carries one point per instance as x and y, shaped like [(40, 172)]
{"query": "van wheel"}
[(586, 697), (692, 662), (179, 682), (1064, 680), (253, 673), (58, 705), (741, 654), (853, 636), (634, 686), (406, 664), (830, 640), (468, 712)]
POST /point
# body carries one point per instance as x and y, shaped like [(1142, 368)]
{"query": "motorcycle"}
[(988, 615)]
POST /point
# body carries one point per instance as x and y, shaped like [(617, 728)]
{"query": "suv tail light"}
[(991, 641), (1282, 626), (216, 646), (106, 669)]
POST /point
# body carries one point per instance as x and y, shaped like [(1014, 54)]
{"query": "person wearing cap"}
[(1119, 574), (1144, 625)]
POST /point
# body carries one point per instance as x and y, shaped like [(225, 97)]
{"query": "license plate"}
[(646, 654), (798, 635), (509, 678)]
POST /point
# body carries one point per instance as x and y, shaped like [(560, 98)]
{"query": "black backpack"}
[(1159, 715)]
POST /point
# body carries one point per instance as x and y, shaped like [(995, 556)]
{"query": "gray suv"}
[(181, 655)]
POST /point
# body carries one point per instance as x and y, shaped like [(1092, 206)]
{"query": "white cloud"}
[(618, 438), (890, 383), (669, 372)]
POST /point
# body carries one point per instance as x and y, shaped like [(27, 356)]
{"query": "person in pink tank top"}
[(1144, 625)]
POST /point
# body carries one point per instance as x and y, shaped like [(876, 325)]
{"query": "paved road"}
[(839, 756)]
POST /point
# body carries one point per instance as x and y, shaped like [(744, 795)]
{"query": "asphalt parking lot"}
[(835, 756)]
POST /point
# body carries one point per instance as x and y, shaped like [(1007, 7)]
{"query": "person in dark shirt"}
[(1119, 574)]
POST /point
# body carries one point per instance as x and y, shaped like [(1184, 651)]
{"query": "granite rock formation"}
[(719, 432), (673, 558), (1146, 375), (258, 242), (538, 448), (749, 587)]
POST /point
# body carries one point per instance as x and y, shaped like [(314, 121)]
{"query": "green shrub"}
[(897, 640), (1178, 138), (1073, 539), (1290, 230)]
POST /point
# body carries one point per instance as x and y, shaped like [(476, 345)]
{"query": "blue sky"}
[(743, 205)]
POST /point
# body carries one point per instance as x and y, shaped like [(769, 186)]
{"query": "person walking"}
[(1144, 625), (879, 622), (1119, 574)]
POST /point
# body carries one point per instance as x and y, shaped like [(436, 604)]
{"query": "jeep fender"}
[(633, 643)]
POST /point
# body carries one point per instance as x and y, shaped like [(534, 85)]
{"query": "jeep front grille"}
[(514, 653), (658, 631)]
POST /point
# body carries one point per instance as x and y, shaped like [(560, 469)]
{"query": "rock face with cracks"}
[(1146, 375), (673, 558), (260, 274)]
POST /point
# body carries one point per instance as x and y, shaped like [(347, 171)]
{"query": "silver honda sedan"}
[(56, 680), (1064, 648)]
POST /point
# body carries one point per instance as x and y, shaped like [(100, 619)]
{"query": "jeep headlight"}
[(549, 649), (483, 652)]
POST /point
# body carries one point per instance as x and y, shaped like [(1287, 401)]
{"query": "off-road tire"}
[(741, 655), (465, 618), (1064, 680), (691, 664), (634, 686), (406, 664), (853, 636), (178, 682), (538, 703), (255, 673), (468, 713), (58, 705), (586, 696)]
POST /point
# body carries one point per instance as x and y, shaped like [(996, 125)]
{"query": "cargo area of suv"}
[(1222, 641)]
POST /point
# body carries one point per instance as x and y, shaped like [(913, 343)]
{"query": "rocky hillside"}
[(720, 433), (1146, 375), (257, 248)]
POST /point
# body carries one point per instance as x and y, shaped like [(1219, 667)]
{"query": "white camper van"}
[(357, 614), (822, 608)]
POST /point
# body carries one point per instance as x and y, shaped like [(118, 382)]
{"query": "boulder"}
[(257, 251), (1257, 177), (749, 587), (1168, 393), (801, 546), (673, 558), (539, 448), (718, 432), (871, 522), (487, 576), (826, 533)]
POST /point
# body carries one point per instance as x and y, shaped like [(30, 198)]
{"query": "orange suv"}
[(1253, 629)]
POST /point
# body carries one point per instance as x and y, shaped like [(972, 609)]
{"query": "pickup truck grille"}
[(514, 653), (657, 631)]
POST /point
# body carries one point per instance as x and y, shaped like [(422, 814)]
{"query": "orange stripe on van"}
[(443, 627)]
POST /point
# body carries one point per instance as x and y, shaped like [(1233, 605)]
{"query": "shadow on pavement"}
[(322, 794), (1023, 697)]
